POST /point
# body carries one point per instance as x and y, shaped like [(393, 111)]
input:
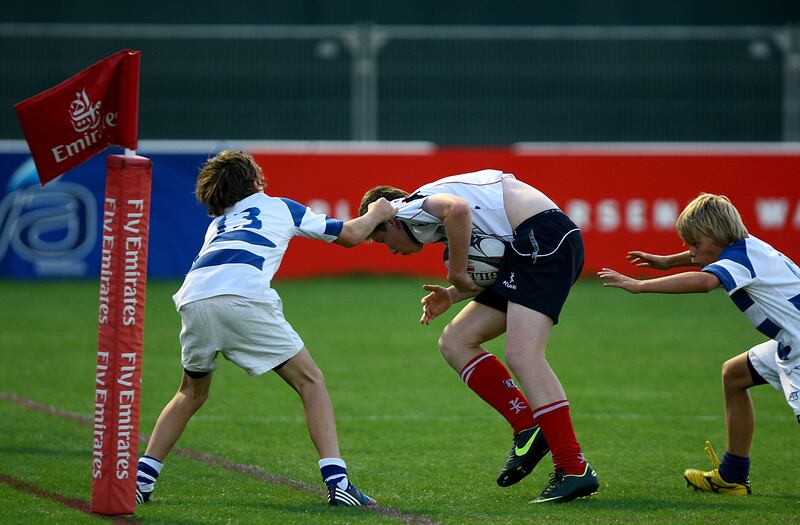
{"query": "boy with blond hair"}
[(765, 285)]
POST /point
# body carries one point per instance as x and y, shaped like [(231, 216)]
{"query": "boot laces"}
[(556, 478)]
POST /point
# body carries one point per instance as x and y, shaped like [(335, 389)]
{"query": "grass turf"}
[(641, 373)]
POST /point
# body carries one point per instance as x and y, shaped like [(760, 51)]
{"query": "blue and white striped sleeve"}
[(730, 274), (313, 225), (734, 268)]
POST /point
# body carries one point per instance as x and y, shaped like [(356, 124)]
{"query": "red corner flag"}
[(73, 121)]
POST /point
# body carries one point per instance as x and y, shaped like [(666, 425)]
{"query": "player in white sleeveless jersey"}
[(542, 260), (228, 307), (483, 189), (765, 285)]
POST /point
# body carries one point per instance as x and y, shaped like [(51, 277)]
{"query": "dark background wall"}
[(458, 90), (681, 12)]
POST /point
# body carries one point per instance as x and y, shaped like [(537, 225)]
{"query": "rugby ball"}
[(483, 260)]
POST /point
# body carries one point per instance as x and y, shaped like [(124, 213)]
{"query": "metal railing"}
[(447, 84)]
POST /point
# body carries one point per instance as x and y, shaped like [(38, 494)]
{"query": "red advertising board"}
[(623, 199)]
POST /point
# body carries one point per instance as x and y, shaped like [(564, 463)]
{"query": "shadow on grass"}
[(406, 516), (691, 502), (204, 509)]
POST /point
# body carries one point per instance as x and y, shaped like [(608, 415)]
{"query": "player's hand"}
[(617, 280), (435, 303), (648, 260), (382, 208), (463, 282)]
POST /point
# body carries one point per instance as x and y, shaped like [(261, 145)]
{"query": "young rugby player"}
[(227, 307), (543, 258), (765, 285)]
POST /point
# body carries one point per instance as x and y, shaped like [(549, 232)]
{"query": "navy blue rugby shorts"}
[(540, 265)]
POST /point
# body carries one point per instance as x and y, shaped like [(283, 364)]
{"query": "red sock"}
[(490, 379), (556, 425)]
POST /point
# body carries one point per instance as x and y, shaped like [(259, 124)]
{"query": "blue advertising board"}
[(54, 232)]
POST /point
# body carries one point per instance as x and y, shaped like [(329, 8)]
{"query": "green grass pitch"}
[(642, 374)]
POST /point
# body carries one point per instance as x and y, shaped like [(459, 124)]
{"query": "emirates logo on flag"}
[(85, 115), (73, 121), (88, 120)]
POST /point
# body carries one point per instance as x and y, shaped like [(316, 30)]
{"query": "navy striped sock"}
[(147, 471), (334, 472)]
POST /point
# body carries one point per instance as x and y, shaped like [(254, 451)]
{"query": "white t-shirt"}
[(765, 285), (244, 248), (482, 189)]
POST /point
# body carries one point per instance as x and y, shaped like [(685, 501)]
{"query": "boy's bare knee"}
[(735, 374), (310, 379), (515, 356), (514, 359), (450, 343), (316, 378), (444, 345), (518, 358), (728, 369), (196, 396)]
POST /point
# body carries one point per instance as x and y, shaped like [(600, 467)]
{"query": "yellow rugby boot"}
[(711, 481)]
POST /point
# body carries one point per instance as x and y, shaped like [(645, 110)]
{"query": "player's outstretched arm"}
[(660, 262), (355, 231), (687, 282)]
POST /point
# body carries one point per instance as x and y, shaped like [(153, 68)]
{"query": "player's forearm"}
[(458, 226), (679, 259), (688, 282), (456, 296), (356, 231)]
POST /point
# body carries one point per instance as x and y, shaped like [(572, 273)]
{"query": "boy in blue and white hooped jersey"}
[(228, 307), (765, 285)]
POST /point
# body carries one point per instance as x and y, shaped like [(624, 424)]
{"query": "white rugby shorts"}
[(252, 334), (764, 358)]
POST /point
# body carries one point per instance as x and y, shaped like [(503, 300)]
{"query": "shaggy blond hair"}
[(713, 216)]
